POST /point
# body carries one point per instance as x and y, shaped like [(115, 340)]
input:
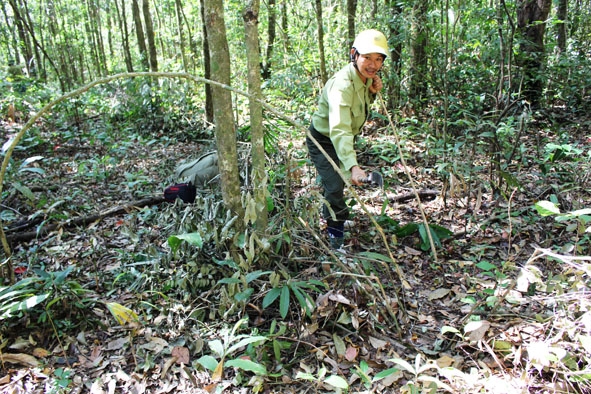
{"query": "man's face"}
[(369, 64)]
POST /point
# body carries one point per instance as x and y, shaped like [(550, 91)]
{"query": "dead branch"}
[(82, 221)]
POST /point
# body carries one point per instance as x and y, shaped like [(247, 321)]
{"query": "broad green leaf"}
[(486, 266), (208, 362), (255, 275), (547, 208), (25, 191), (407, 230), (271, 296), (23, 305), (337, 381), (174, 241), (247, 365), (302, 297), (246, 341), (217, 347), (284, 301), (384, 374), (228, 281), (376, 256), (244, 295)]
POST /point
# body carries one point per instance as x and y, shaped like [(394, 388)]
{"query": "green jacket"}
[(342, 111)]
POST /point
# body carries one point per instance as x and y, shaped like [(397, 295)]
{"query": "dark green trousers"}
[(332, 183)]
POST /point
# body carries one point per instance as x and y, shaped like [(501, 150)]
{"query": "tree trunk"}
[(222, 107), (122, 21), (192, 42), (419, 40), (395, 77), (351, 14), (531, 17), (12, 40), (150, 36), (139, 32), (209, 117), (179, 21), (285, 26), (259, 173), (323, 75), (562, 16), (20, 23), (271, 37)]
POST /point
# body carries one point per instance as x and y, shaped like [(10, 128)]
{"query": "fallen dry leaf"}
[(476, 330), (377, 343), (182, 355), (351, 353), (40, 352), (20, 358), (439, 293)]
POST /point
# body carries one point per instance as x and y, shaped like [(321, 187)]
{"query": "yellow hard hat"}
[(371, 41)]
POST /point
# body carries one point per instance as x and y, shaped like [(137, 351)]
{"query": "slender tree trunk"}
[(122, 21), (259, 173), (91, 39), (351, 15), (150, 36), (179, 21), (38, 70), (285, 26), (192, 42), (209, 116), (225, 134), (12, 40), (323, 75), (139, 32), (271, 37), (531, 17), (395, 77), (562, 16), (419, 40), (25, 42)]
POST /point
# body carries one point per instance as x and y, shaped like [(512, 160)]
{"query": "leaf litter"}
[(500, 311)]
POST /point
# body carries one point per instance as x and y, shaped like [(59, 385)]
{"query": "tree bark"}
[(395, 77), (419, 40), (259, 173), (323, 74), (562, 16), (139, 32), (209, 117), (351, 14), (20, 23), (225, 134), (531, 17), (12, 40), (271, 37), (150, 36), (179, 21), (122, 21)]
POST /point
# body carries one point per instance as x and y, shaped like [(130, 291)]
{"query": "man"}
[(342, 110)]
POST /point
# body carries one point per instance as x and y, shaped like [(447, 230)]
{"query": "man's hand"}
[(358, 176), (376, 85)]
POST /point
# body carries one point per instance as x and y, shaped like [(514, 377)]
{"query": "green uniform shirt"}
[(342, 111)]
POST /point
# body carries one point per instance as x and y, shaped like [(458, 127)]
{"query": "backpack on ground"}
[(199, 172)]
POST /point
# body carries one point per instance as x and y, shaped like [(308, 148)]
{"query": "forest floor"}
[(504, 307)]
